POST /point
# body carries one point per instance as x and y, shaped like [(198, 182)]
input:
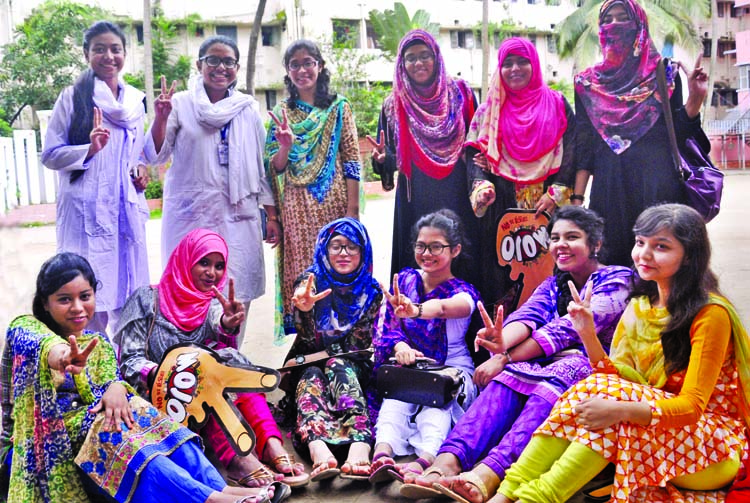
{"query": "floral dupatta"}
[(317, 133)]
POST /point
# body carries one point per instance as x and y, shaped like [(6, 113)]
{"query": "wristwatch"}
[(299, 359), (334, 349)]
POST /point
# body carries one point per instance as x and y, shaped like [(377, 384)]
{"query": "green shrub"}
[(154, 190)]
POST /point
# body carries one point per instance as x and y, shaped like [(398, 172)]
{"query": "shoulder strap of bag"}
[(153, 318), (661, 85)]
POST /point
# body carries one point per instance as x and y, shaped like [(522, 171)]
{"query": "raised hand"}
[(403, 307), (491, 336), (378, 150), (304, 299), (163, 103), (234, 310), (99, 135), (72, 358), (116, 408), (580, 312), (284, 134)]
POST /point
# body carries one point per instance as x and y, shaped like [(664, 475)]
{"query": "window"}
[(227, 31), (270, 35), (726, 45), (346, 32), (270, 99), (199, 31), (464, 39), (139, 33), (720, 9), (706, 47), (551, 44), (724, 97), (744, 74), (372, 37), (532, 38)]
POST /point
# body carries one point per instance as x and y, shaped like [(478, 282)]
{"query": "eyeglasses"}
[(306, 64), (435, 248), (424, 57), (214, 61), (338, 249)]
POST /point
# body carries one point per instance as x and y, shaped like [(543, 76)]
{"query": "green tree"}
[(672, 20), (253, 47), (391, 25), (46, 55)]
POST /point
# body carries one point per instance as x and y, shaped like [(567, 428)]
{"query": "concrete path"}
[(22, 251)]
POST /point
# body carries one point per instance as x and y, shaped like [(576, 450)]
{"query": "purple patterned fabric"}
[(551, 375), (428, 336)]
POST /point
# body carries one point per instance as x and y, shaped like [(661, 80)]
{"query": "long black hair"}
[(82, 121), (690, 285), (56, 272), (323, 97), (593, 225)]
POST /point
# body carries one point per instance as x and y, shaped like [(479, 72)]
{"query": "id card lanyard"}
[(223, 147)]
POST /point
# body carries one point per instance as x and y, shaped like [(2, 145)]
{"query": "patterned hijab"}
[(520, 132), (430, 121), (317, 134), (180, 301), (352, 293), (619, 93)]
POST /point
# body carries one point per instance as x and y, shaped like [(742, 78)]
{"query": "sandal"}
[(599, 493), (324, 470), (469, 477), (260, 477), (351, 475), (290, 478), (403, 468), (383, 472), (418, 492)]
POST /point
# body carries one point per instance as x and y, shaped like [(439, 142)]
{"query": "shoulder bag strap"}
[(153, 319), (661, 85)]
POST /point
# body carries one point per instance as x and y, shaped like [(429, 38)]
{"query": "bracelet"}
[(272, 218), (506, 354), (419, 311), (577, 197)]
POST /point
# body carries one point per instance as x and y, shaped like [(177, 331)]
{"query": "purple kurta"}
[(100, 216), (499, 424)]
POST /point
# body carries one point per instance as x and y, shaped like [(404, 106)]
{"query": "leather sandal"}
[(260, 477), (383, 472), (290, 478), (324, 470), (470, 477), (417, 491)]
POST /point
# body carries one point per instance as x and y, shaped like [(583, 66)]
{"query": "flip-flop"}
[(325, 474), (281, 492), (599, 493), (382, 474), (470, 477), (254, 479), (417, 491), (397, 475), (289, 478), (356, 476)]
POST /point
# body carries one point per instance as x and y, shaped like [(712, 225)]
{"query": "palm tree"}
[(253, 47), (391, 25), (674, 20)]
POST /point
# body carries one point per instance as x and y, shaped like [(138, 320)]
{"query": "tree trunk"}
[(147, 59), (485, 47), (253, 48), (712, 64)]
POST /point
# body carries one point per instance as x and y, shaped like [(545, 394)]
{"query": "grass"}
[(31, 225), (155, 214)]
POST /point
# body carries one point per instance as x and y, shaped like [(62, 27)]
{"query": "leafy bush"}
[(154, 190)]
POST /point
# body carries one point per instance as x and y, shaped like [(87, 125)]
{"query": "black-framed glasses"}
[(435, 248), (307, 64), (338, 249), (423, 56), (214, 61)]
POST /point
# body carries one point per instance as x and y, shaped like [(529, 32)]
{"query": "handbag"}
[(423, 383), (703, 182)]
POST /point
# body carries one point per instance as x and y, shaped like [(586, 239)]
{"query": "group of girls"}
[(554, 408)]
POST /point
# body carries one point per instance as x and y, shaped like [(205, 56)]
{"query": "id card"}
[(222, 151)]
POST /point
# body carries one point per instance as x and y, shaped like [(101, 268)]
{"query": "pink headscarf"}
[(515, 129), (179, 300)]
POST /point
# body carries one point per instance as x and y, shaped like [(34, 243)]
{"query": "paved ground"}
[(23, 249)]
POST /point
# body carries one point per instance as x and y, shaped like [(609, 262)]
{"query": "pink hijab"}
[(519, 131), (179, 300)]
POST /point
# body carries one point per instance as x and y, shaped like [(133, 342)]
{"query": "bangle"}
[(272, 218), (577, 197), (419, 311), (506, 354)]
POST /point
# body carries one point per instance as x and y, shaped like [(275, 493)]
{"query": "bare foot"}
[(323, 461)]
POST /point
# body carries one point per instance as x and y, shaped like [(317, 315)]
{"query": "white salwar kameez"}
[(101, 215), (201, 193)]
